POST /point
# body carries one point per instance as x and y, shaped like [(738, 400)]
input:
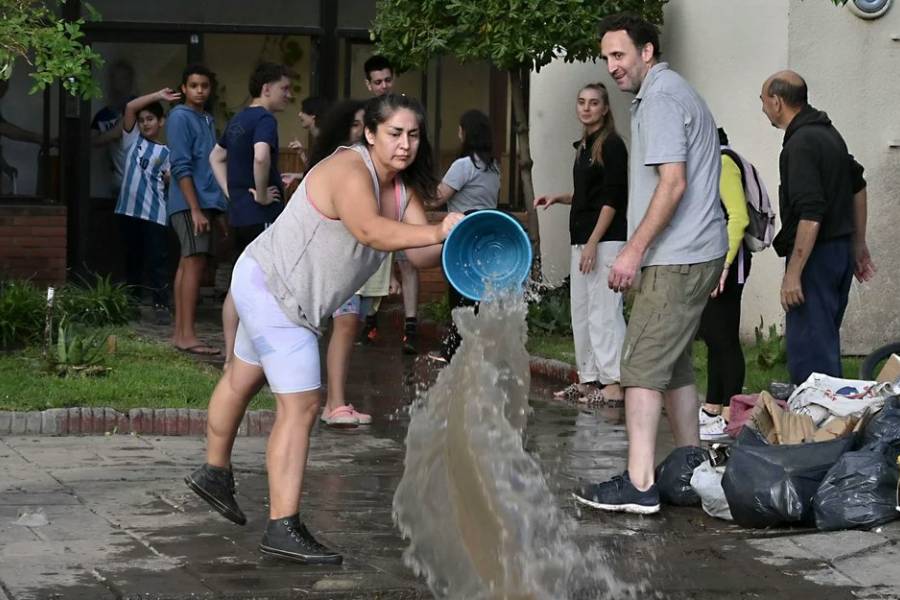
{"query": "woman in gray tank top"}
[(348, 213)]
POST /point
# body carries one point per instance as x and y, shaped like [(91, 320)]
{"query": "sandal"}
[(570, 392), (597, 397), (200, 349), (361, 418), (342, 416)]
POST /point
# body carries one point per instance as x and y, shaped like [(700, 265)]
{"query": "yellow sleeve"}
[(732, 192)]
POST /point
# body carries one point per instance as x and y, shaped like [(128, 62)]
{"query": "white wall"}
[(852, 68), (554, 127), (726, 49)]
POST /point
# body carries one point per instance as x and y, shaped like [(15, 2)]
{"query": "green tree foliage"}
[(510, 34), (515, 35), (34, 32)]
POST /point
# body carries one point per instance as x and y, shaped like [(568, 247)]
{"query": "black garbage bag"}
[(768, 485), (673, 476), (859, 491), (884, 427)]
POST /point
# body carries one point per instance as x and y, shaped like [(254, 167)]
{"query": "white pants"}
[(598, 325)]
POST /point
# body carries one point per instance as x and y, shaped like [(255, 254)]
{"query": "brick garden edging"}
[(177, 421), (146, 421), (554, 369)]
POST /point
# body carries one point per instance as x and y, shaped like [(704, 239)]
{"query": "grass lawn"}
[(144, 374), (757, 378)]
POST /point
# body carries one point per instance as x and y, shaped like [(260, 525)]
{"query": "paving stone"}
[(171, 419), (266, 421), (184, 421), (136, 420), (55, 421), (19, 423), (159, 421), (5, 421), (87, 420), (75, 420), (198, 421), (123, 423), (253, 423), (33, 420), (244, 427)]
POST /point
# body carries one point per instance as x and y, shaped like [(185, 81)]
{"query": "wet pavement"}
[(108, 517)]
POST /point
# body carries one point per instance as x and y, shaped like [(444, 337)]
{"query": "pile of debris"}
[(824, 456)]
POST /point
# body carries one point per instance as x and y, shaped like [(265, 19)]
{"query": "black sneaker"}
[(409, 343), (216, 486), (290, 539), (619, 495)]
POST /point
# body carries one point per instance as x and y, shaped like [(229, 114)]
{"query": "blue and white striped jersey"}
[(143, 192)]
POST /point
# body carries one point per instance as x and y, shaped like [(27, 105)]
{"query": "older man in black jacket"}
[(823, 226)]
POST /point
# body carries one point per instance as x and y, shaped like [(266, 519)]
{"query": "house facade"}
[(56, 189), (726, 49)]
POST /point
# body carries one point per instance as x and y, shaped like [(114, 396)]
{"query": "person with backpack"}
[(721, 319)]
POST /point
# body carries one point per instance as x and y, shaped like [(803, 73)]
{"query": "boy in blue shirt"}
[(245, 164), (141, 207), (195, 200)]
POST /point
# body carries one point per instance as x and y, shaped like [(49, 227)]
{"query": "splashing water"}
[(475, 507)]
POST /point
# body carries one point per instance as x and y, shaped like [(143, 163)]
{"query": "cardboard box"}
[(890, 371), (835, 427)]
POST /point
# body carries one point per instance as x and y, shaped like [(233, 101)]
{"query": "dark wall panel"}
[(355, 14), (259, 13)]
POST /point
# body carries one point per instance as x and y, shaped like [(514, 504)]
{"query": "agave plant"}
[(79, 353)]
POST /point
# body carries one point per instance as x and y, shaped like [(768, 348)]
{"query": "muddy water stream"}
[(476, 509)]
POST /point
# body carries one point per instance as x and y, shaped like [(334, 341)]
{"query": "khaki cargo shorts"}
[(664, 320)]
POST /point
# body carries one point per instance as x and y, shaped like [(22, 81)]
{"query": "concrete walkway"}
[(108, 517)]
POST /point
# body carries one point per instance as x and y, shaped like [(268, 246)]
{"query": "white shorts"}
[(287, 353), (350, 307)]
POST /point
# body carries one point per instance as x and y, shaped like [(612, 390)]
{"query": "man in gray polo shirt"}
[(677, 242)]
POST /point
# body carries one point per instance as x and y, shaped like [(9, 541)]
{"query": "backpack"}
[(761, 230)]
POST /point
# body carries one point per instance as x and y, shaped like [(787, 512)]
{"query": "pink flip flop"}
[(342, 416)]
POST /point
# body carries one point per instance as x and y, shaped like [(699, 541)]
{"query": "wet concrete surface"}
[(122, 524)]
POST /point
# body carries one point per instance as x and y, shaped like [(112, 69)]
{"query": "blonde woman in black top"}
[(597, 230)]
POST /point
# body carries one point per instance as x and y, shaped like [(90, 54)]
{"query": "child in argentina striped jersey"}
[(141, 207)]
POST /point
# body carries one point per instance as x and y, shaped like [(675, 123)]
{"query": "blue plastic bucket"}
[(487, 248)]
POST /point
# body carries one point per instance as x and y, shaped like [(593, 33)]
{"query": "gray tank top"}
[(312, 263)]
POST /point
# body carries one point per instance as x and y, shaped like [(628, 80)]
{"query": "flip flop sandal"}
[(595, 396), (197, 350), (570, 392), (361, 418), (342, 416), (613, 402)]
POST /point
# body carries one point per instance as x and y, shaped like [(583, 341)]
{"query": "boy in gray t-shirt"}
[(677, 242)]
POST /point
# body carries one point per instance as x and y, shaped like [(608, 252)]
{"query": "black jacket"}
[(596, 186), (818, 180)]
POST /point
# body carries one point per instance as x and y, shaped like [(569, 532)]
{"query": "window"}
[(29, 159)]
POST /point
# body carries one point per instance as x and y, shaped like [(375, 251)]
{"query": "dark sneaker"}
[(409, 343), (290, 539), (368, 335), (619, 495), (216, 486)]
